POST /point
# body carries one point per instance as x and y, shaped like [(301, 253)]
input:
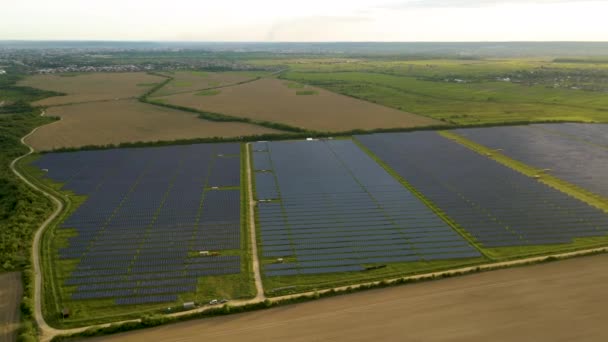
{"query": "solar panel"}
[(146, 211), (562, 149), (497, 205), (335, 209)]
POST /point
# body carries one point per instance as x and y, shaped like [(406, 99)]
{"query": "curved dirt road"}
[(44, 328), (560, 301)]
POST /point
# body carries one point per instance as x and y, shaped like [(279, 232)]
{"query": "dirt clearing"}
[(10, 297), (559, 301), (102, 123), (274, 100), (185, 81), (91, 87)]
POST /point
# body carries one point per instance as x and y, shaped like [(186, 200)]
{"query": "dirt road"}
[(10, 297), (561, 301), (259, 286)]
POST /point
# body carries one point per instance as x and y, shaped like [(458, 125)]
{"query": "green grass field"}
[(463, 92), (469, 103)]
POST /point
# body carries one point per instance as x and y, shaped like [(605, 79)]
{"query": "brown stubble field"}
[(10, 297), (91, 87), (560, 301), (187, 81), (272, 100), (113, 122)]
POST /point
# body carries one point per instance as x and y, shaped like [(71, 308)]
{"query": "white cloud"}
[(310, 20), (409, 4)]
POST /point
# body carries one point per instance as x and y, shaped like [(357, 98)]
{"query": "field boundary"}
[(295, 136), (211, 116)]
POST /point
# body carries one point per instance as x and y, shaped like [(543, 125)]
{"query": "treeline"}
[(292, 136), (17, 99)]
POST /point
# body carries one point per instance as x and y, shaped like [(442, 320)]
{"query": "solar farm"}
[(576, 153), (343, 213), (495, 204), (156, 222), (161, 226)]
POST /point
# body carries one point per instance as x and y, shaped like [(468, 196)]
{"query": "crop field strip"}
[(147, 211), (576, 153), (497, 205), (334, 209)]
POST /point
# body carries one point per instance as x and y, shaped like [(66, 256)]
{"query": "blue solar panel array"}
[(577, 153), (339, 211), (497, 205), (592, 133), (146, 211)]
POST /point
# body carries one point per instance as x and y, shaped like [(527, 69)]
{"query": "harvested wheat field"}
[(560, 301), (113, 122), (187, 81), (10, 297), (315, 109), (91, 87)]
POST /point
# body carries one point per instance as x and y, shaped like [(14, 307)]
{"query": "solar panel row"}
[(336, 207), (577, 153), (146, 210), (497, 205)]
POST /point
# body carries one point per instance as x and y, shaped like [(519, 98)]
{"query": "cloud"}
[(411, 4)]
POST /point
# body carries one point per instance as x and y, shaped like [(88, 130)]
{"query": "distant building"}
[(2, 72)]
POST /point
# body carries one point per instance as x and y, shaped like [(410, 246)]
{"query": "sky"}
[(304, 20)]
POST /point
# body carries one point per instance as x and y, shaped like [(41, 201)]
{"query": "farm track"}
[(254, 247)]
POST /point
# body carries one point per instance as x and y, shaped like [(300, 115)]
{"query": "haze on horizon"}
[(310, 20)]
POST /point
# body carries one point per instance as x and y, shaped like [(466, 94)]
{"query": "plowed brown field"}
[(113, 122), (272, 100), (10, 297), (92, 87), (560, 301)]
